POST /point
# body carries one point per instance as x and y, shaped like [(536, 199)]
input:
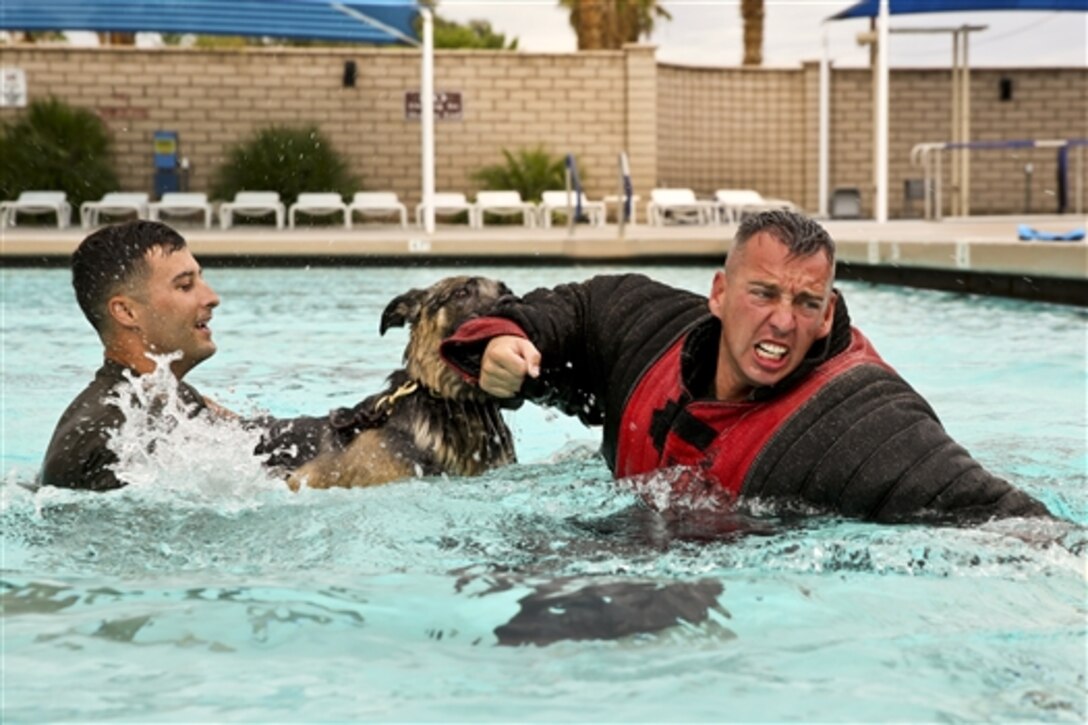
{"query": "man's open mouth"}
[(771, 351)]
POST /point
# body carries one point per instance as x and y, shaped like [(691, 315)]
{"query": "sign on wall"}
[(13, 87), (447, 105)]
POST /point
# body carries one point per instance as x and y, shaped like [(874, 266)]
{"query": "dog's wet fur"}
[(428, 420)]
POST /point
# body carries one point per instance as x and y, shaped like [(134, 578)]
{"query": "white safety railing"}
[(929, 156)]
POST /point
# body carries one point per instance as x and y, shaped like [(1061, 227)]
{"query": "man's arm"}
[(868, 445), (537, 348), (593, 339), (79, 456)]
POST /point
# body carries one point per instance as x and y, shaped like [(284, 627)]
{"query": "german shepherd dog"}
[(428, 421)]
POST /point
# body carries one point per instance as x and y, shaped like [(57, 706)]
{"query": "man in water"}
[(144, 293), (764, 390)]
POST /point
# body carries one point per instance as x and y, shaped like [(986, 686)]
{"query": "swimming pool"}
[(212, 593)]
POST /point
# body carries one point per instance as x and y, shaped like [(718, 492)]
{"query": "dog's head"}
[(433, 314)]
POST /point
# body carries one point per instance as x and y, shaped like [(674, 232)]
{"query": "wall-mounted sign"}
[(13, 87), (447, 105)]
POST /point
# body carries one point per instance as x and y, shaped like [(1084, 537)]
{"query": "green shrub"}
[(529, 172), (56, 147), (284, 159)]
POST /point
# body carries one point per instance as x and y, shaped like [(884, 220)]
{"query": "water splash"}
[(679, 490), (166, 447)]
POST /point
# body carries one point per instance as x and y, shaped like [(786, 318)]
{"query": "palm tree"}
[(608, 24), (751, 11), (112, 38)]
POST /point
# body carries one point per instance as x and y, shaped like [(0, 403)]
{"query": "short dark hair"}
[(112, 257), (800, 233)]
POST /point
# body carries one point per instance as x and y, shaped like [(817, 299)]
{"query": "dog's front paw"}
[(295, 482)]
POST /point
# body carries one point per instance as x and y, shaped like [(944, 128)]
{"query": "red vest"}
[(728, 436)]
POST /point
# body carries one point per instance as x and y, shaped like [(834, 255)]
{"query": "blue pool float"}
[(1029, 234)]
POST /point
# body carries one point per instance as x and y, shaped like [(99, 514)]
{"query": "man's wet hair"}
[(112, 257), (801, 234)]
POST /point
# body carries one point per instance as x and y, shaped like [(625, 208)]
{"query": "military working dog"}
[(428, 421)]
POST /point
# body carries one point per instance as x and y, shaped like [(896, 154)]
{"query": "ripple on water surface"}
[(207, 591)]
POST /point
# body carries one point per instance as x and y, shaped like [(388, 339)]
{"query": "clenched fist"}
[(507, 360)]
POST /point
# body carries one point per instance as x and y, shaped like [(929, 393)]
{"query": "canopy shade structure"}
[(871, 8), (369, 21), (362, 21), (882, 10)]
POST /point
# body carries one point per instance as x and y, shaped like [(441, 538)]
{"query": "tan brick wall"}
[(810, 198), (732, 128), (642, 122), (568, 103), (741, 128), (1046, 104), (699, 128)]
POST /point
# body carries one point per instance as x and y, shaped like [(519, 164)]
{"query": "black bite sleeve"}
[(869, 446)]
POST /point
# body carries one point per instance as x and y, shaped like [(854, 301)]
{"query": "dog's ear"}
[(403, 309)]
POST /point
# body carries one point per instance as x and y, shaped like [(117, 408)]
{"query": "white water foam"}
[(162, 446), (678, 489)]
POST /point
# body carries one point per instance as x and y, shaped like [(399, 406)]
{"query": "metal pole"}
[(1029, 169), (621, 204), (937, 202), (954, 166), (625, 172), (965, 128), (882, 116), (1080, 178), (426, 115), (927, 174), (570, 204), (874, 89), (825, 129)]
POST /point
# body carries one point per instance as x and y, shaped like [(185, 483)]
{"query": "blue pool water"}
[(210, 593)]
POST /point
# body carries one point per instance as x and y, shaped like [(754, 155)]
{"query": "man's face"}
[(173, 307), (772, 308)]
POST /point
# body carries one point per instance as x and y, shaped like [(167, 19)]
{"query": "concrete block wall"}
[(1051, 104), (743, 128), (1047, 103), (567, 103), (690, 127), (733, 128)]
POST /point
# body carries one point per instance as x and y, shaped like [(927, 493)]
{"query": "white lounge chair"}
[(378, 204), (681, 204), (503, 203), (182, 203), (555, 202), (447, 203), (115, 203), (35, 203), (733, 204), (252, 204), (319, 204)]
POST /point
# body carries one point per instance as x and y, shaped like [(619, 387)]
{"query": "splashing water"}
[(205, 590), (164, 445)]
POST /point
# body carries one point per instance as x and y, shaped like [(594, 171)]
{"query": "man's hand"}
[(507, 360)]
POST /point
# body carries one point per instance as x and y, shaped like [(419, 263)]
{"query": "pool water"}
[(210, 592)]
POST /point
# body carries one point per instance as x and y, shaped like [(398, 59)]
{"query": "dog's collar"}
[(387, 401), (371, 413)]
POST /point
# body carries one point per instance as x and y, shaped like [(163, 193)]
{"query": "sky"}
[(708, 33)]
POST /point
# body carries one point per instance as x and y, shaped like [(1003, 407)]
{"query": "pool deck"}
[(977, 254)]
